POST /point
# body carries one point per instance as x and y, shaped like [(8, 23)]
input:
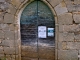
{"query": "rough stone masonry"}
[(67, 17)]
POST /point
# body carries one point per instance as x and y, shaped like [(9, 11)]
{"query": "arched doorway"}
[(37, 32)]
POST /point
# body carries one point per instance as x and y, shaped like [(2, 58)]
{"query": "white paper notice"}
[(50, 31), (42, 31)]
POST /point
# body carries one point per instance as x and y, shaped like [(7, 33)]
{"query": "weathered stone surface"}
[(11, 27), (2, 56), (17, 50), (65, 19), (2, 0), (1, 41), (8, 57), (4, 6), (61, 28), (8, 1), (9, 50), (60, 37), (1, 19), (61, 8), (76, 18), (9, 35), (8, 18), (54, 2), (11, 9), (69, 28), (67, 55), (13, 57), (79, 52), (16, 35), (72, 2), (8, 43), (17, 57), (1, 50), (1, 34), (77, 2), (66, 36), (77, 37), (7, 27), (16, 2), (73, 45), (73, 6), (23, 0), (62, 45)]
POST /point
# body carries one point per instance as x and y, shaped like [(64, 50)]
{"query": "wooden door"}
[(37, 32)]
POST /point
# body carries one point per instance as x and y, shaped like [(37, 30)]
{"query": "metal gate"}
[(37, 32)]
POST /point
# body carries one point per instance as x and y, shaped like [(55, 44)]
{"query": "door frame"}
[(17, 22)]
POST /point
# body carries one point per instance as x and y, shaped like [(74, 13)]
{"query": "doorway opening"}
[(37, 32)]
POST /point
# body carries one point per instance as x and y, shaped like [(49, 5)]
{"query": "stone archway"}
[(54, 17), (56, 25)]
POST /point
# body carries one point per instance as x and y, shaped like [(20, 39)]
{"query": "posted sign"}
[(50, 31), (42, 31)]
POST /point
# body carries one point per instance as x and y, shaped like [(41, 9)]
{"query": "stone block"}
[(4, 27), (72, 2), (13, 57), (66, 36), (1, 41), (61, 8), (17, 57), (11, 9), (54, 2), (1, 56), (22, 0), (9, 50), (1, 34), (62, 45), (1, 19), (16, 2), (76, 18), (65, 19), (77, 37), (9, 18), (16, 35), (67, 55), (70, 28), (77, 2), (73, 45), (60, 28), (60, 37), (79, 52), (2, 0), (4, 6), (71, 8), (9, 35), (17, 50), (8, 57), (11, 27), (0, 27), (8, 43), (7, 27), (1, 50)]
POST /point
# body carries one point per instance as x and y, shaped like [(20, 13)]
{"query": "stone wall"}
[(67, 23)]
